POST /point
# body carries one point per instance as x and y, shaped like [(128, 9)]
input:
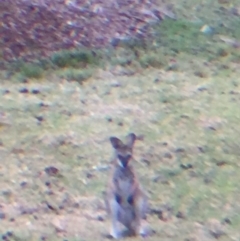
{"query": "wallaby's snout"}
[(123, 151), (123, 160)]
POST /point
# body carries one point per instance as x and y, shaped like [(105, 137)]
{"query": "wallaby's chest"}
[(124, 187), (124, 181)]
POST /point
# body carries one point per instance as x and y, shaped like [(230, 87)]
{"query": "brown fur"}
[(125, 199)]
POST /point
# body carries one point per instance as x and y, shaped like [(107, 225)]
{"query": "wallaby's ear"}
[(131, 139), (116, 143)]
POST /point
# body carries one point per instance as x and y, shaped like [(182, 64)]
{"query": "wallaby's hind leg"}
[(114, 211), (140, 207), (135, 215)]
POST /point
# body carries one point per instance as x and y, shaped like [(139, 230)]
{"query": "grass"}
[(172, 40), (71, 64), (74, 58), (77, 75), (31, 71), (182, 95)]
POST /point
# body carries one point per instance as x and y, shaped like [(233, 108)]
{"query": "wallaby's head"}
[(123, 151)]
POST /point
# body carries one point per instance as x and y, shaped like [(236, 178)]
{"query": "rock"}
[(215, 228), (23, 90), (59, 224), (109, 119), (186, 166), (89, 175), (39, 118), (160, 178), (4, 237), (9, 233), (2, 215), (147, 162), (51, 171), (23, 184), (193, 174), (180, 150), (202, 88), (116, 84), (184, 116), (206, 29), (202, 149), (120, 123), (35, 91), (41, 104), (164, 213), (168, 155), (100, 168), (180, 215), (157, 80), (226, 221), (221, 163), (100, 218), (200, 74), (235, 11)]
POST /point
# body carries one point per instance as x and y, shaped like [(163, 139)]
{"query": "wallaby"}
[(125, 200)]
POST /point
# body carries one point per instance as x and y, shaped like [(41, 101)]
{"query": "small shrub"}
[(152, 59), (181, 37), (123, 60), (15, 66), (74, 58), (134, 43), (222, 52), (45, 64), (31, 71), (19, 77), (72, 74)]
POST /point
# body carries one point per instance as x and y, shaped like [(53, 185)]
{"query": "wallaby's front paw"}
[(115, 234), (146, 232)]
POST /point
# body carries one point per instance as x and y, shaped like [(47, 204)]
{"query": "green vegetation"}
[(31, 71), (74, 58), (77, 75), (176, 39)]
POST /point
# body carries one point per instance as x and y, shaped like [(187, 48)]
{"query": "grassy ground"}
[(181, 93)]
